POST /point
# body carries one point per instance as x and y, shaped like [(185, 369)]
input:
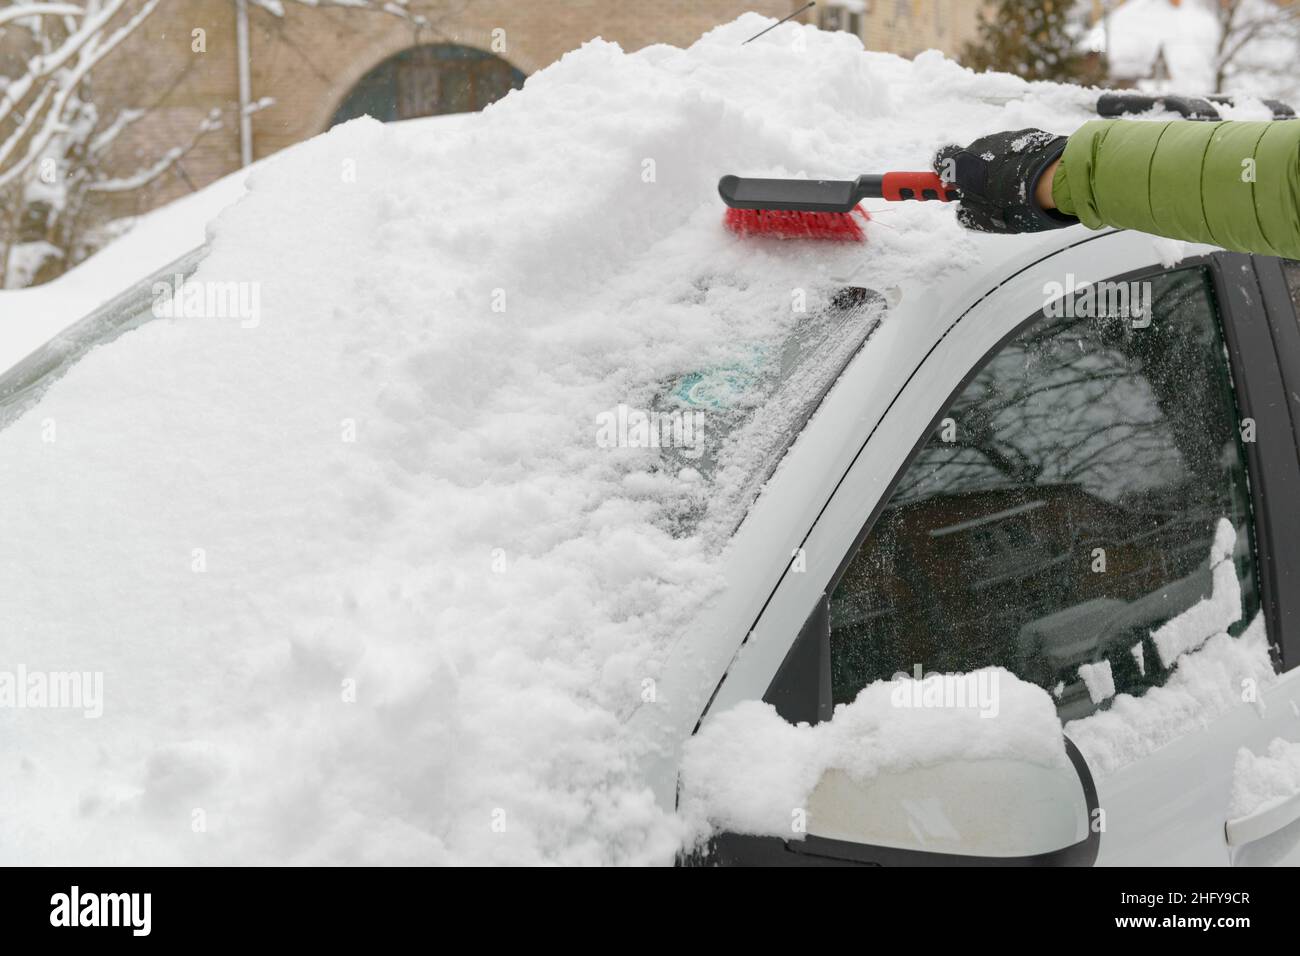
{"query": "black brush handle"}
[(802, 195), (831, 195)]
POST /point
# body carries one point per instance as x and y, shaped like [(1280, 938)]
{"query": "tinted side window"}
[(1065, 508)]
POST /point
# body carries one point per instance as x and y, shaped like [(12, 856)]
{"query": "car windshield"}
[(756, 408), (22, 385), (749, 411)]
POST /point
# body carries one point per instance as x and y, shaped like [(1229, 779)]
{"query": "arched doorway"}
[(428, 81)]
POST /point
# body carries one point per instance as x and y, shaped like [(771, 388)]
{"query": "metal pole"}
[(245, 84)]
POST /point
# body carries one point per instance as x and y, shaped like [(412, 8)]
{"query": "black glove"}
[(997, 176)]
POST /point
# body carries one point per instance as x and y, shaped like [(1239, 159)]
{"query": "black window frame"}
[(1262, 337), (1281, 400)]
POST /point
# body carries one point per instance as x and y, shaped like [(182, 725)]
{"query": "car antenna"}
[(781, 21)]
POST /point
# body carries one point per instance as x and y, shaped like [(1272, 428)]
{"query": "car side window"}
[(1066, 506)]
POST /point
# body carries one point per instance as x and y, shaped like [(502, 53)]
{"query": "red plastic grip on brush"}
[(900, 186)]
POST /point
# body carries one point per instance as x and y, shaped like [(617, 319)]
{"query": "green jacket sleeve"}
[(1230, 184)]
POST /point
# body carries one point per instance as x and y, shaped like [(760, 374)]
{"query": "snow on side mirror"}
[(948, 770)]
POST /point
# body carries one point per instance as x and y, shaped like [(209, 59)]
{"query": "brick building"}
[(322, 65), (314, 66)]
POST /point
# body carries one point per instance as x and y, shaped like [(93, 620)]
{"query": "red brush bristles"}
[(792, 224)]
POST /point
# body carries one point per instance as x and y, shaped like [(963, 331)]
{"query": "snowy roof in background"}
[(1186, 34), (1140, 29)]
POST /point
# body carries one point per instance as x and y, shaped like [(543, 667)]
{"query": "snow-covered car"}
[(1077, 459), (1032, 474), (464, 503)]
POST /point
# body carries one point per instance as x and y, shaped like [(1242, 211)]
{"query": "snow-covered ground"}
[(361, 582)]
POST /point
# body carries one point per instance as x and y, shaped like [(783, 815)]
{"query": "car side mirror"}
[(986, 812), (962, 813), (978, 811)]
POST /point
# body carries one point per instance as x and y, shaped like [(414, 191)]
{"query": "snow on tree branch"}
[(66, 82), (143, 177), (55, 144), (24, 10), (396, 8)]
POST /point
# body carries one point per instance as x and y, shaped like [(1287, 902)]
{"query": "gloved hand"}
[(997, 176)]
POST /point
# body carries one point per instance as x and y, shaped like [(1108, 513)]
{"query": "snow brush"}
[(819, 208)]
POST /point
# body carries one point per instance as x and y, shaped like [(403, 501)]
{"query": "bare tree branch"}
[(54, 149), (148, 174)]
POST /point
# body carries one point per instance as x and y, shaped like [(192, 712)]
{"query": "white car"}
[(1002, 479), (999, 479)]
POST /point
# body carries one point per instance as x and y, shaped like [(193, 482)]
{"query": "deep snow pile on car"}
[(361, 582)]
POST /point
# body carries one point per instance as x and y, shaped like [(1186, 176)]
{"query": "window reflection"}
[(1064, 509)]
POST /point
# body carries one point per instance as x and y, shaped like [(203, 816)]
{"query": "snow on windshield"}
[(362, 582), (754, 409)]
